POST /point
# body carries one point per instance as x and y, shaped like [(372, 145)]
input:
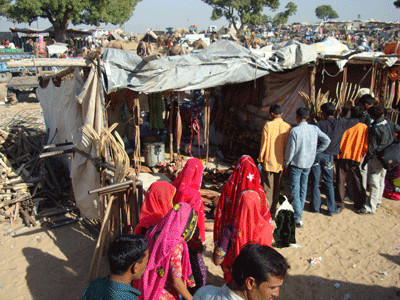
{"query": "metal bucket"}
[(154, 153)]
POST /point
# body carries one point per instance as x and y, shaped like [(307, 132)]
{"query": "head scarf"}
[(249, 226), (245, 176), (177, 226), (188, 185), (157, 203)]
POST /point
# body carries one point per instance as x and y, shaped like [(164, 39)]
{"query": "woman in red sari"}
[(157, 203), (188, 184), (249, 226), (245, 176)]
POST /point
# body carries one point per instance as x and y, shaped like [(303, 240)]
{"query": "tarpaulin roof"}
[(223, 62)]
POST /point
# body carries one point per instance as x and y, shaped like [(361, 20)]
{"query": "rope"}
[(370, 68), (325, 71)]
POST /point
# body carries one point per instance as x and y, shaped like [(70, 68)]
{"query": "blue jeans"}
[(298, 187), (323, 167)]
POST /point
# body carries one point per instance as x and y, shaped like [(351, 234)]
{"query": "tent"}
[(251, 81)]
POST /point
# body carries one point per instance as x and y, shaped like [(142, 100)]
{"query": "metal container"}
[(154, 153)]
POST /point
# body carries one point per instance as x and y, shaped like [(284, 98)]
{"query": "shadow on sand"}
[(60, 273)]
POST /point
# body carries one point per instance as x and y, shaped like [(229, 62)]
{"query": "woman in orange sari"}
[(249, 226), (157, 203)]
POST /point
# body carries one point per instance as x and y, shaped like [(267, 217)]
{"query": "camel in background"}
[(196, 45)]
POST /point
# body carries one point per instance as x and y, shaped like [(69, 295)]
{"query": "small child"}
[(127, 256)]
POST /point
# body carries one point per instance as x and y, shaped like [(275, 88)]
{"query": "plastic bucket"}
[(154, 153)]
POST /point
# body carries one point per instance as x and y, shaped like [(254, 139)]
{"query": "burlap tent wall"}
[(246, 105), (66, 109)]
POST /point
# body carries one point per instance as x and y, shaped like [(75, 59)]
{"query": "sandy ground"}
[(360, 254)]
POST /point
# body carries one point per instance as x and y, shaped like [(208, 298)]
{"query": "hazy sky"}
[(159, 14)]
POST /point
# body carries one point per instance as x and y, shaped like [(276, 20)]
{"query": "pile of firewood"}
[(217, 177), (28, 184)]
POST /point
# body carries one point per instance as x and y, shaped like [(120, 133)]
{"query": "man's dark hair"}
[(375, 112), (356, 111), (367, 99), (328, 108), (124, 251), (302, 113), (259, 262), (275, 109)]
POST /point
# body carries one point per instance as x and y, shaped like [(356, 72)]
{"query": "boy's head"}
[(260, 271), (366, 101), (356, 112), (302, 114), (128, 254), (275, 110), (375, 112), (328, 109)]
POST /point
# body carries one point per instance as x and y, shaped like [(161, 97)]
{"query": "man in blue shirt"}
[(128, 255), (300, 154)]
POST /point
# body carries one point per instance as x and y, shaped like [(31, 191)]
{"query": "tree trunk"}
[(60, 30), (60, 34)]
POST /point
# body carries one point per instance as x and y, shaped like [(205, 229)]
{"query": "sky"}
[(159, 14)]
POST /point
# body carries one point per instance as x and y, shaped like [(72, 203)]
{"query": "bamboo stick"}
[(99, 240)]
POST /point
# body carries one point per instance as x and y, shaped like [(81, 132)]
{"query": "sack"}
[(390, 156)]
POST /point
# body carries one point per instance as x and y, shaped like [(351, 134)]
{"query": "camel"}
[(178, 50), (117, 44), (196, 45), (144, 49)]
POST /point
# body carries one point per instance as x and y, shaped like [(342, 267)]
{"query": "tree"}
[(243, 11), (326, 12), (62, 13), (397, 3), (283, 17)]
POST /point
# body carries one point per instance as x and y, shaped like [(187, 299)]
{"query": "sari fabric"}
[(249, 226), (188, 184), (157, 203), (245, 176), (163, 240)]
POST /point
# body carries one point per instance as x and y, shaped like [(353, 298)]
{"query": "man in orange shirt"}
[(353, 147), (273, 145)]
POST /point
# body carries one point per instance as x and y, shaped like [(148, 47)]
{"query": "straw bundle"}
[(116, 145)]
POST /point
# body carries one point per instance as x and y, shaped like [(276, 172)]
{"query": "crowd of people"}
[(164, 259), (353, 146)]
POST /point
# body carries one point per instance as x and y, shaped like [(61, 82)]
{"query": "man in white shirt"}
[(258, 273)]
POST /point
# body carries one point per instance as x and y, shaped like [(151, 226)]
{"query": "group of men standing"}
[(347, 144)]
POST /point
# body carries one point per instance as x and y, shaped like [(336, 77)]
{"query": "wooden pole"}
[(312, 86), (373, 75), (344, 86), (101, 238), (171, 135), (48, 62), (398, 92), (207, 123)]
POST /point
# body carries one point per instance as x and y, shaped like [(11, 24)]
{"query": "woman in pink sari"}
[(168, 271), (188, 184)]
